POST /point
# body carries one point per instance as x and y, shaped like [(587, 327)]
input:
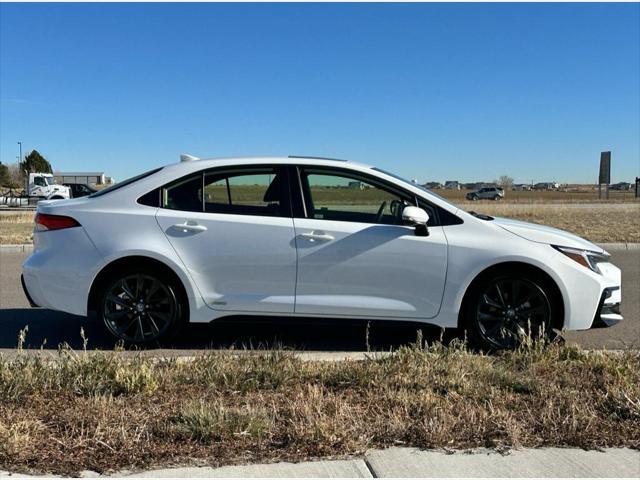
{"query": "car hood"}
[(544, 234)]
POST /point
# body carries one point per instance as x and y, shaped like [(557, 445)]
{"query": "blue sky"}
[(434, 92)]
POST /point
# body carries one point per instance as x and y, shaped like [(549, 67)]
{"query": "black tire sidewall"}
[(177, 322), (468, 317)]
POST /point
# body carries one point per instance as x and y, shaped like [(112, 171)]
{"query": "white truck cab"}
[(42, 185)]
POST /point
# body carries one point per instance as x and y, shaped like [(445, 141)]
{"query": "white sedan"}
[(308, 237)]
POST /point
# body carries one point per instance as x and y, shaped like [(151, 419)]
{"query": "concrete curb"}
[(611, 247), (19, 248), (617, 247), (185, 358), (412, 462)]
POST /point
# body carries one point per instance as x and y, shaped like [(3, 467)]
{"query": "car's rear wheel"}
[(504, 311), (141, 307)]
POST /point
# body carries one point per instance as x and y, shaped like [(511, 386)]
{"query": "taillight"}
[(54, 222)]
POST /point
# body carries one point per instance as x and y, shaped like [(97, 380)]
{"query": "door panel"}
[(243, 263), (355, 257), (239, 247), (369, 270)]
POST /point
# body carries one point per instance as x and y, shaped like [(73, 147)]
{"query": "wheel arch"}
[(560, 301), (138, 260)]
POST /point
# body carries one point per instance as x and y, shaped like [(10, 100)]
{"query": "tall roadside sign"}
[(605, 175)]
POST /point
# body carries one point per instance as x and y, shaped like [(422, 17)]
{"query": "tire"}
[(474, 198), (141, 306), (496, 198), (506, 309)]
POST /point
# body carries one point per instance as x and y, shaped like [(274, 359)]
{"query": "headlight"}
[(586, 258)]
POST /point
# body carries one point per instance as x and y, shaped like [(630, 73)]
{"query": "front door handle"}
[(189, 227), (320, 237)]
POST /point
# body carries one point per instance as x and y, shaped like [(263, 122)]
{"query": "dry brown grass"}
[(103, 412), (599, 222), (16, 228)]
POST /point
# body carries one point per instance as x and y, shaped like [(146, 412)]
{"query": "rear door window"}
[(185, 194), (258, 191)]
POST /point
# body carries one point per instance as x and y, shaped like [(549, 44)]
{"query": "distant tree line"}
[(14, 175)]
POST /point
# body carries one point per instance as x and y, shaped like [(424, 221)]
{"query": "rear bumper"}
[(59, 272), (608, 313), (26, 293)]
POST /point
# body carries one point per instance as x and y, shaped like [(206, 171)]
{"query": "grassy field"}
[(16, 228), (577, 196), (328, 194), (603, 222), (103, 412)]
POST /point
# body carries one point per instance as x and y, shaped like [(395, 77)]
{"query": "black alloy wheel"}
[(509, 310), (140, 308)]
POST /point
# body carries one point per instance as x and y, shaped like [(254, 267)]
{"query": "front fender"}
[(542, 265)]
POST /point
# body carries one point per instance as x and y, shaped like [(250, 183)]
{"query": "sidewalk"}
[(411, 462)]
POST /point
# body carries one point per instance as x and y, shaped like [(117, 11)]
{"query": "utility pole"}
[(20, 143)]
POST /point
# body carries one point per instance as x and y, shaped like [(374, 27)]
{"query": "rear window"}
[(124, 183)]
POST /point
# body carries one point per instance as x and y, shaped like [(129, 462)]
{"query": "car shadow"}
[(48, 329)]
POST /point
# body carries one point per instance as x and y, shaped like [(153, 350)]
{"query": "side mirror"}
[(416, 217)]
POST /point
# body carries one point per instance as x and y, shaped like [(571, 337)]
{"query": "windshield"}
[(397, 177), (124, 183), (49, 180)]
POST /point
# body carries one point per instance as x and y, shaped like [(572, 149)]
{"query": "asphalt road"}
[(48, 328)]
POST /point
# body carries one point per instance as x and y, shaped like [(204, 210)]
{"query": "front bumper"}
[(608, 313)]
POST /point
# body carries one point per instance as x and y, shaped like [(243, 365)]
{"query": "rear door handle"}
[(189, 227), (313, 236)]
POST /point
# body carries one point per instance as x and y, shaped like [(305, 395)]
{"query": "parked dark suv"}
[(80, 189), (487, 193)]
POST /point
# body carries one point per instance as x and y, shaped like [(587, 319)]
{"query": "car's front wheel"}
[(140, 306), (505, 310)]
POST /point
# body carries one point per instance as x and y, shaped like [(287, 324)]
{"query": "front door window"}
[(334, 196)]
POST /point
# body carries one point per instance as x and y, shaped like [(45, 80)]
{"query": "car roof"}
[(257, 160)]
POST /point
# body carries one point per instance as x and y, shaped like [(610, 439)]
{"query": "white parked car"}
[(205, 239)]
